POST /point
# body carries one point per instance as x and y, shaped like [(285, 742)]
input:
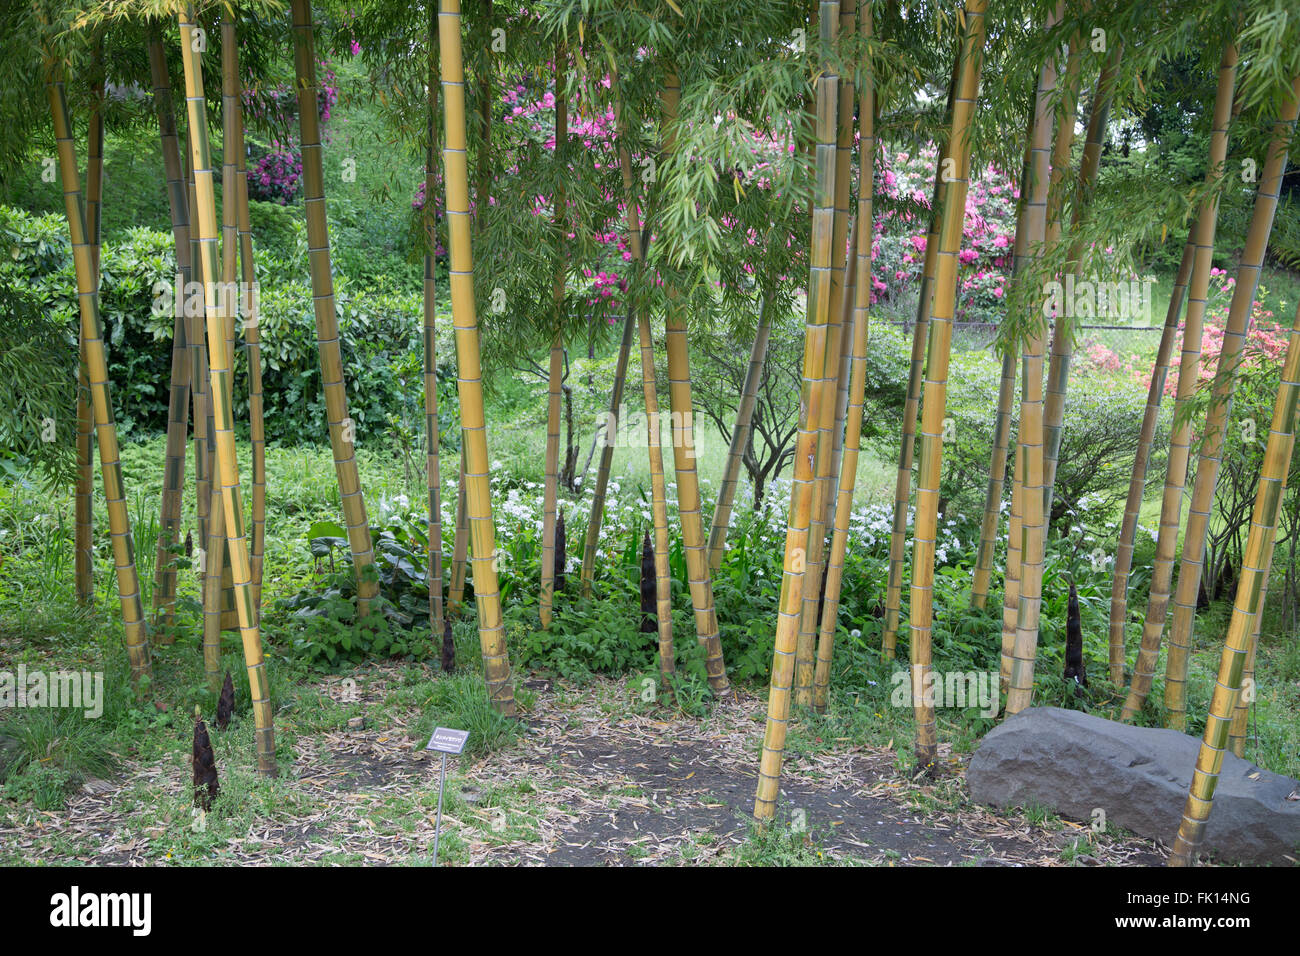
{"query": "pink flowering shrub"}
[(900, 233), (1265, 341), (276, 175)]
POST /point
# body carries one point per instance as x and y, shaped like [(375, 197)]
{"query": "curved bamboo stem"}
[(135, 630), (1216, 418), (857, 299), (688, 486), (218, 329), (1246, 609), (164, 594), (654, 436), (817, 389), (555, 373), (1188, 377), (1137, 482), (739, 438), (1058, 372), (824, 490), (250, 301), (432, 429), (341, 428), (1029, 440), (935, 387), (997, 482), (487, 597), (460, 539)]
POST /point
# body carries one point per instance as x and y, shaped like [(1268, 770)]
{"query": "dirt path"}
[(590, 783)]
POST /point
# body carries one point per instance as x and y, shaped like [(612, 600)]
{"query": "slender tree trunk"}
[(432, 465), (487, 597), (1137, 483), (220, 389), (551, 490), (1246, 610), (341, 427), (606, 458), (654, 436), (1188, 377), (136, 633), (1058, 372), (1029, 440), (818, 388), (460, 540), (997, 481), (169, 524), (740, 436), (556, 371), (1216, 419), (935, 388), (857, 299), (688, 486), (196, 336)]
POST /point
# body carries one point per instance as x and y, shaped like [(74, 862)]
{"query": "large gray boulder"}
[(1073, 763)]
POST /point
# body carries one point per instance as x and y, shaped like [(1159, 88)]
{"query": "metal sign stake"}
[(444, 741), (437, 825)]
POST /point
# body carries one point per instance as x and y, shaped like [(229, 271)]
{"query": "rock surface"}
[(1074, 763)]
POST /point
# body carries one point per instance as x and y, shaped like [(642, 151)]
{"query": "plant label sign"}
[(446, 741)]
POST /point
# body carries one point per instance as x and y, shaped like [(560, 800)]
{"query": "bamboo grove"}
[(663, 73)]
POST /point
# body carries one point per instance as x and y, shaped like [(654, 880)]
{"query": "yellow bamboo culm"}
[(1029, 440), (1062, 341), (857, 302), (201, 405), (1216, 418), (218, 320), (817, 388), (342, 428), (554, 377), (164, 594), (1188, 376), (135, 630), (911, 410), (935, 388), (1137, 482), (1238, 732), (487, 597), (249, 299), (684, 449), (1246, 609), (824, 491), (1011, 574)]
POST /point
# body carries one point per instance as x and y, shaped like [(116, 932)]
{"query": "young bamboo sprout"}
[(225, 703), (206, 786)]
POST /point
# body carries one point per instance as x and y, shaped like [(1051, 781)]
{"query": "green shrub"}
[(380, 329)]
